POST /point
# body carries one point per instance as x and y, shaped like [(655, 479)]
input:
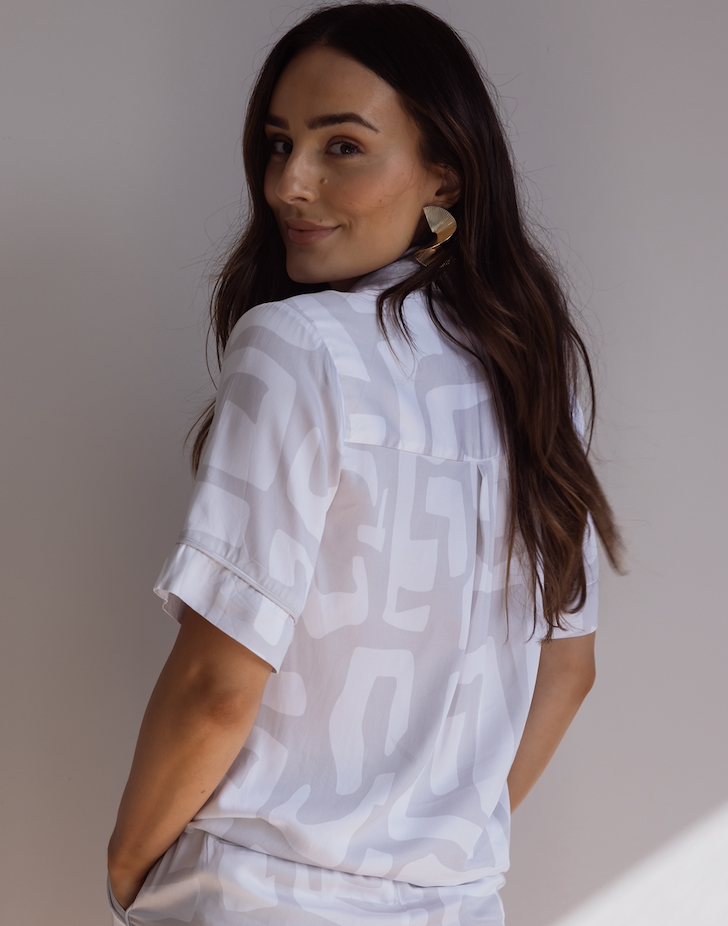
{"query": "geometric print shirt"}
[(348, 526)]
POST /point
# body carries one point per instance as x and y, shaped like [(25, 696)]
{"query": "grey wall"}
[(120, 177)]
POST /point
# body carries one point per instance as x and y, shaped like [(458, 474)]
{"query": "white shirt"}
[(348, 526)]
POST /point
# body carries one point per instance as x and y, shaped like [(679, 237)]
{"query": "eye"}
[(344, 149), (280, 146)]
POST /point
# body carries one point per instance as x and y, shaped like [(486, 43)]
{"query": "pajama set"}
[(348, 525)]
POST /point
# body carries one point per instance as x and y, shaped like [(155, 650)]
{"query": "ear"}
[(448, 193)]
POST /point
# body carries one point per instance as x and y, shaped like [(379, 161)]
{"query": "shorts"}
[(204, 881)]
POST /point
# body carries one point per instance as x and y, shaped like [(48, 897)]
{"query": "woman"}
[(387, 578)]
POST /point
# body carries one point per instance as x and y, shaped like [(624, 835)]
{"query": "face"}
[(344, 178)]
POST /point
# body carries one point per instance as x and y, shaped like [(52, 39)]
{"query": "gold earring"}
[(441, 224)]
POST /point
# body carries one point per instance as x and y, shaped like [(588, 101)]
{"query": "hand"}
[(125, 888)]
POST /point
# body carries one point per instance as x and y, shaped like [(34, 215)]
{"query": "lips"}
[(300, 232)]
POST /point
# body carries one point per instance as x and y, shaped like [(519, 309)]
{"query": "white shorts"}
[(204, 881)]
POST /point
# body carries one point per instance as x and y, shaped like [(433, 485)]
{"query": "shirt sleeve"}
[(268, 474), (584, 621)]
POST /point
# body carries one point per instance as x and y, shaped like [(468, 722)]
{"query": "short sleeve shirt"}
[(348, 526)]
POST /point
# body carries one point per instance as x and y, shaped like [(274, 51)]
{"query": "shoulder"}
[(306, 319), (272, 322), (276, 350), (277, 371), (280, 330), (332, 327)]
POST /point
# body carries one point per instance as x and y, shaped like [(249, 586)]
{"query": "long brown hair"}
[(498, 287)]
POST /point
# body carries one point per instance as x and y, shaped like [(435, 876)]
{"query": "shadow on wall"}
[(682, 883)]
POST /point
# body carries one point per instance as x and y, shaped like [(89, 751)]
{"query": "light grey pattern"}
[(205, 881), (348, 525)]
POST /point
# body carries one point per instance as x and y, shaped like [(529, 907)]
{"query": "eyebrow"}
[(322, 122)]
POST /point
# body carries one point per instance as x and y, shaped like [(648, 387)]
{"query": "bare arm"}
[(198, 718), (565, 676)]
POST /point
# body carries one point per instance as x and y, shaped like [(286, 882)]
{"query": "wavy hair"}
[(493, 284)]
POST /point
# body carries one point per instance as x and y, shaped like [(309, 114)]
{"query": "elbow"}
[(568, 665), (576, 679), (583, 680), (215, 705), (226, 709)]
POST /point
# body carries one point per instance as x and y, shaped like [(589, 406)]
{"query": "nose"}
[(297, 180)]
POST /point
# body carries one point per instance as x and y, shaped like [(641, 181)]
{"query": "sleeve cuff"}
[(191, 577), (584, 621)]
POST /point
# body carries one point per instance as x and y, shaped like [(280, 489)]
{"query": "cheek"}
[(376, 191)]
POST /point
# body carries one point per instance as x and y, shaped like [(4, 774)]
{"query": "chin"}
[(307, 275)]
